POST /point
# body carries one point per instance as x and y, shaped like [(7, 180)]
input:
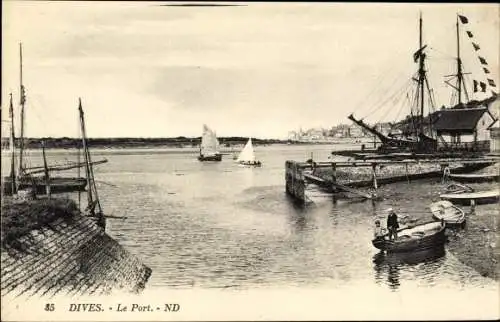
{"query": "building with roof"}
[(463, 129)]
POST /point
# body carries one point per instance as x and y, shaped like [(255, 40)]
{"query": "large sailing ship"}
[(417, 132)]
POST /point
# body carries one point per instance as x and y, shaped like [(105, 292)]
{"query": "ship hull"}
[(57, 185), (215, 157)]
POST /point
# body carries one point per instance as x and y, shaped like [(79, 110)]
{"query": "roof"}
[(69, 256), (458, 119)]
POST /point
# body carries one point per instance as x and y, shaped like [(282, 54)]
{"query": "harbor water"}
[(221, 225)]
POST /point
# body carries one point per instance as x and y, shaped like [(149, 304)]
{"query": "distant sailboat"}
[(247, 155), (209, 147)]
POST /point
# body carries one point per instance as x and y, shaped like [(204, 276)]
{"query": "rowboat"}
[(417, 238), (458, 188), (480, 197), (451, 214), (474, 177)]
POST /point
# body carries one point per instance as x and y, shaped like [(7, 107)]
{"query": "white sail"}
[(247, 154), (209, 142)]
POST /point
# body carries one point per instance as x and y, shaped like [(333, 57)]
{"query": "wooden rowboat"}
[(474, 177), (417, 238), (480, 197), (458, 188), (451, 214)]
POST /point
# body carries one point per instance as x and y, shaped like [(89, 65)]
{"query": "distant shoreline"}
[(177, 142)]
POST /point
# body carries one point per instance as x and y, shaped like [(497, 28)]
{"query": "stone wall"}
[(69, 256)]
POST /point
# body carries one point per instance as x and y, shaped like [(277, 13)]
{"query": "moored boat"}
[(474, 177), (451, 214), (420, 237), (458, 188), (57, 184), (480, 197)]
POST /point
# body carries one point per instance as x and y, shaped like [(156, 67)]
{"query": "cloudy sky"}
[(147, 70)]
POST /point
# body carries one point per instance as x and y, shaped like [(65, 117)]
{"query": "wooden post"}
[(334, 172), (406, 169), (46, 168), (374, 173)]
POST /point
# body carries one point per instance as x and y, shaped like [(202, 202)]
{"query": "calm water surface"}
[(219, 225)]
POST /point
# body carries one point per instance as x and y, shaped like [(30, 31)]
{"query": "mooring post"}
[(374, 173), (406, 170), (289, 177), (334, 172), (472, 207)]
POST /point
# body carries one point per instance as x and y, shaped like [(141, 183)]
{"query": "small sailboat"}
[(247, 155), (209, 147)]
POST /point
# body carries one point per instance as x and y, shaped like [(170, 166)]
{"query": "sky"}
[(144, 69)]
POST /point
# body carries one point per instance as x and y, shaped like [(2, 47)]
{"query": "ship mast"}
[(460, 74), (22, 102), (12, 147), (92, 196), (421, 73)]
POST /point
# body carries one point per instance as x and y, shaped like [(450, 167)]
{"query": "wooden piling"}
[(295, 184), (374, 173)]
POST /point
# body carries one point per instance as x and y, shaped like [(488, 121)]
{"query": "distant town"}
[(336, 132)]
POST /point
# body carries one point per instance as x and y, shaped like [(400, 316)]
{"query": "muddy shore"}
[(476, 245)]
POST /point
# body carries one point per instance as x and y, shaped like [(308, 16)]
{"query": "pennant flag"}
[(470, 34), (475, 85), (483, 87), (418, 53), (482, 60), (486, 71), (476, 46), (463, 19), (491, 82)]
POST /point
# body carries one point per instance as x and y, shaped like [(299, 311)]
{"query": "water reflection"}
[(390, 265)]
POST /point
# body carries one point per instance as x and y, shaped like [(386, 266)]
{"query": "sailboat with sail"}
[(247, 156), (26, 177), (209, 147)]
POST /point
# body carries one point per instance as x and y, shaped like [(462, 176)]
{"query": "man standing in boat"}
[(392, 224)]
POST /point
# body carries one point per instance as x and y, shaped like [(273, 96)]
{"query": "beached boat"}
[(458, 188), (209, 147), (420, 237), (247, 156), (474, 177), (451, 214), (479, 197)]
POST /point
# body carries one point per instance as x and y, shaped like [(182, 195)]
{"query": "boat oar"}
[(114, 217), (107, 183)]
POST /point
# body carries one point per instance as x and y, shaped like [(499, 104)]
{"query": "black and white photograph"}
[(196, 161)]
